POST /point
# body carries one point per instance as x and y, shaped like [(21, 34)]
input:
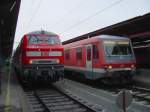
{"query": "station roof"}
[(8, 19), (129, 28)]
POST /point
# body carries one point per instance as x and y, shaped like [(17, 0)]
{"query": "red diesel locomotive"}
[(101, 57), (39, 56)]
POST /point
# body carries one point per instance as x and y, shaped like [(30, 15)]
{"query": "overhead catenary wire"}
[(69, 12), (91, 16), (34, 14)]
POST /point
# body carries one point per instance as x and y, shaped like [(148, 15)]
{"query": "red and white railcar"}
[(39, 56), (102, 56)]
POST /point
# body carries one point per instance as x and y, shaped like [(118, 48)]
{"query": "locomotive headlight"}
[(57, 61), (30, 62)]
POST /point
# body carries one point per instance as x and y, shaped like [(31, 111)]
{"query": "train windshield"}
[(117, 48), (36, 39)]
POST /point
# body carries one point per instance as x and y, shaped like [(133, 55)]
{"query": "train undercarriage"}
[(44, 73)]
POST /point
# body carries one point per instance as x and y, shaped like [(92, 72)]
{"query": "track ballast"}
[(52, 100)]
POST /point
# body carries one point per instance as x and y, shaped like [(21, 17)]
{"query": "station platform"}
[(12, 98)]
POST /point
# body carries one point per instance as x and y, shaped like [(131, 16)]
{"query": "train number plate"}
[(45, 53)]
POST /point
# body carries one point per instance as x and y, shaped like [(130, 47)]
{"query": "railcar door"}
[(89, 69)]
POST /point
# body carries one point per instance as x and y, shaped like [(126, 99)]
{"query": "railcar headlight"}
[(109, 67), (132, 66), (30, 62)]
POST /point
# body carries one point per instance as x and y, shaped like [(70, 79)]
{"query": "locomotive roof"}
[(112, 37), (41, 32)]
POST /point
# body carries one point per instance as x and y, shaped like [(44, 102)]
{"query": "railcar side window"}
[(79, 53), (67, 55), (88, 53), (95, 52)]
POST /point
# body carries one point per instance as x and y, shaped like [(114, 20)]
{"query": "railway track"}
[(140, 95), (52, 100)]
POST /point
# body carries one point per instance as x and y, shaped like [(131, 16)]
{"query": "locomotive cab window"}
[(79, 53), (95, 52), (37, 39)]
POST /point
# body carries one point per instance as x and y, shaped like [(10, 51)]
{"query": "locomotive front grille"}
[(45, 61)]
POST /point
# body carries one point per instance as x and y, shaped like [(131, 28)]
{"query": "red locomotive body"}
[(103, 56), (39, 56)]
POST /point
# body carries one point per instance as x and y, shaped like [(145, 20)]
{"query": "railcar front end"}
[(119, 60), (101, 57)]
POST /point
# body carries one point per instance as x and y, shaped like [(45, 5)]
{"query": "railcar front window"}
[(35, 39), (117, 48)]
